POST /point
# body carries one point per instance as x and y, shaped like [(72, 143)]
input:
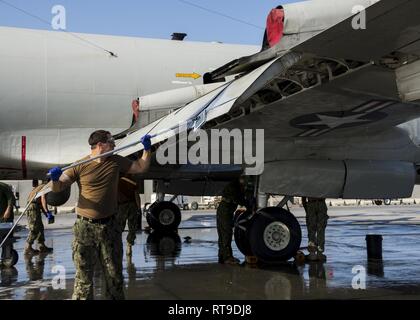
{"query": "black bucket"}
[(374, 246), (376, 268)]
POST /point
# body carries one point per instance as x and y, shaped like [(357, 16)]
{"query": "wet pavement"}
[(184, 266)]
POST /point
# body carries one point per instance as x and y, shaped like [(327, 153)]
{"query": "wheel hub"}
[(276, 236), (166, 217)]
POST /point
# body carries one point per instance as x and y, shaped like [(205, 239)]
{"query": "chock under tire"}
[(251, 259), (300, 258)]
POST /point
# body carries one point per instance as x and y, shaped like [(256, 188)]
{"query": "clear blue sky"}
[(151, 18)]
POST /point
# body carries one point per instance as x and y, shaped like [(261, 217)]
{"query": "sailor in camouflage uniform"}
[(35, 225), (316, 222), (232, 196), (97, 233), (128, 209)]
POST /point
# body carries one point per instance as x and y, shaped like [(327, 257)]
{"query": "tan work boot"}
[(44, 249), (312, 247), (251, 259), (29, 250), (312, 256), (321, 256)]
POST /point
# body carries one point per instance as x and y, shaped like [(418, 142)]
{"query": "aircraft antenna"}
[(112, 54), (221, 14)]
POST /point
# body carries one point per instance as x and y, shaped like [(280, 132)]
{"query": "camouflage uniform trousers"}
[(127, 212), (225, 212), (97, 242), (316, 222), (35, 225)]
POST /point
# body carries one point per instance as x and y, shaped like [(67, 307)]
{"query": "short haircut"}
[(98, 136)]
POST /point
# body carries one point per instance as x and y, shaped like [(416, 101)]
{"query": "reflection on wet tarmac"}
[(35, 271), (163, 244), (8, 276), (184, 265), (376, 268)]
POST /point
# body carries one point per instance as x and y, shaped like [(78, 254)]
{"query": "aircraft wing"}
[(326, 86), (195, 114), (391, 26)]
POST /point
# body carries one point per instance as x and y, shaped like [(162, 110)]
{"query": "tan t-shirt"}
[(98, 186)]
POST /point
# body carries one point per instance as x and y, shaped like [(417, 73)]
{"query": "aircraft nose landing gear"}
[(163, 216)]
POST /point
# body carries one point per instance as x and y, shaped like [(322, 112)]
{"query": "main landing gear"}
[(272, 234)]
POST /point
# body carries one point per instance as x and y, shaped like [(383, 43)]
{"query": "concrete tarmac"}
[(175, 267)]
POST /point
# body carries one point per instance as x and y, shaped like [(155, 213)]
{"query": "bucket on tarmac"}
[(374, 246)]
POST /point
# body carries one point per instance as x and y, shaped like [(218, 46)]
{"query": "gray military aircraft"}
[(337, 94), (57, 87), (338, 105)]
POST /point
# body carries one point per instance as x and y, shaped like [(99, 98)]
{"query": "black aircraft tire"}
[(265, 235), (242, 236), (194, 206), (378, 202), (164, 216), (148, 214)]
